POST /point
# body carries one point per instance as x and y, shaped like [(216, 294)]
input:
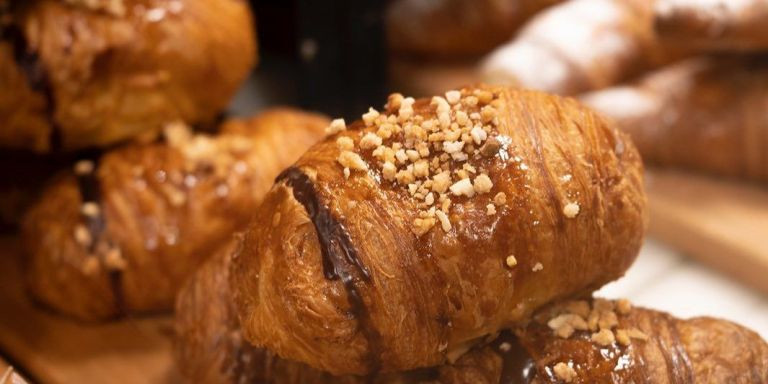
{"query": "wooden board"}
[(52, 349), (723, 224)]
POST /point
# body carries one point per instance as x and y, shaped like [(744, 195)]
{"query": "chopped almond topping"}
[(345, 143), (114, 260), (422, 226), (370, 141), (500, 198), (90, 209), (444, 222), (571, 210), (483, 184), (352, 160), (635, 333), (84, 167), (463, 187), (337, 125), (83, 235), (604, 337), (511, 261), (537, 267), (623, 306), (564, 372), (622, 337), (430, 153)]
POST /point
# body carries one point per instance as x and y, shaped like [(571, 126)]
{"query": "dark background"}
[(328, 56)]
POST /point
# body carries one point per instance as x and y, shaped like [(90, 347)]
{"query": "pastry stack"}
[(112, 91), (452, 239)]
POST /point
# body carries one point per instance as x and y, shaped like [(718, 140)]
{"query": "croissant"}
[(706, 114), (455, 28), (719, 25), (426, 226), (578, 46), (121, 235), (580, 341), (82, 73)]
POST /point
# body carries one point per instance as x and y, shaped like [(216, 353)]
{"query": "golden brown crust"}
[(718, 25), (702, 114), (455, 28), (549, 52), (428, 296), (663, 349), (104, 77), (156, 212)]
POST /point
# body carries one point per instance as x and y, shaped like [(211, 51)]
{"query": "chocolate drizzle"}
[(517, 366), (90, 191), (340, 259)]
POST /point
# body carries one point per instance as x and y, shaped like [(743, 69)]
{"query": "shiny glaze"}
[(340, 259)]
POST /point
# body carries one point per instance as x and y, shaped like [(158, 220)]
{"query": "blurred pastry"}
[(578, 46), (91, 73), (714, 25), (455, 28), (705, 114), (411, 233), (120, 234)]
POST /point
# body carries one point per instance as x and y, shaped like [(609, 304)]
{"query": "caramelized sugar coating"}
[(121, 235), (96, 72), (389, 241)]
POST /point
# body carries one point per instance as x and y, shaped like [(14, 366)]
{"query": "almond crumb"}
[(337, 125), (500, 198), (571, 210), (352, 160), (84, 167), (370, 140), (345, 143), (511, 261), (604, 337), (623, 306), (90, 209), (537, 267), (564, 372), (114, 260), (490, 209), (482, 184), (622, 337), (444, 222)]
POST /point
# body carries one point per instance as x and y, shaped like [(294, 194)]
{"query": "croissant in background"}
[(580, 45), (705, 114), (716, 25), (574, 342), (421, 229), (455, 28), (121, 235), (91, 73)]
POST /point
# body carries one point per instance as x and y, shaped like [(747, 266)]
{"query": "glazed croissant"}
[(423, 228), (706, 114), (455, 28), (91, 73), (574, 342), (121, 235), (717, 25), (578, 46)]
